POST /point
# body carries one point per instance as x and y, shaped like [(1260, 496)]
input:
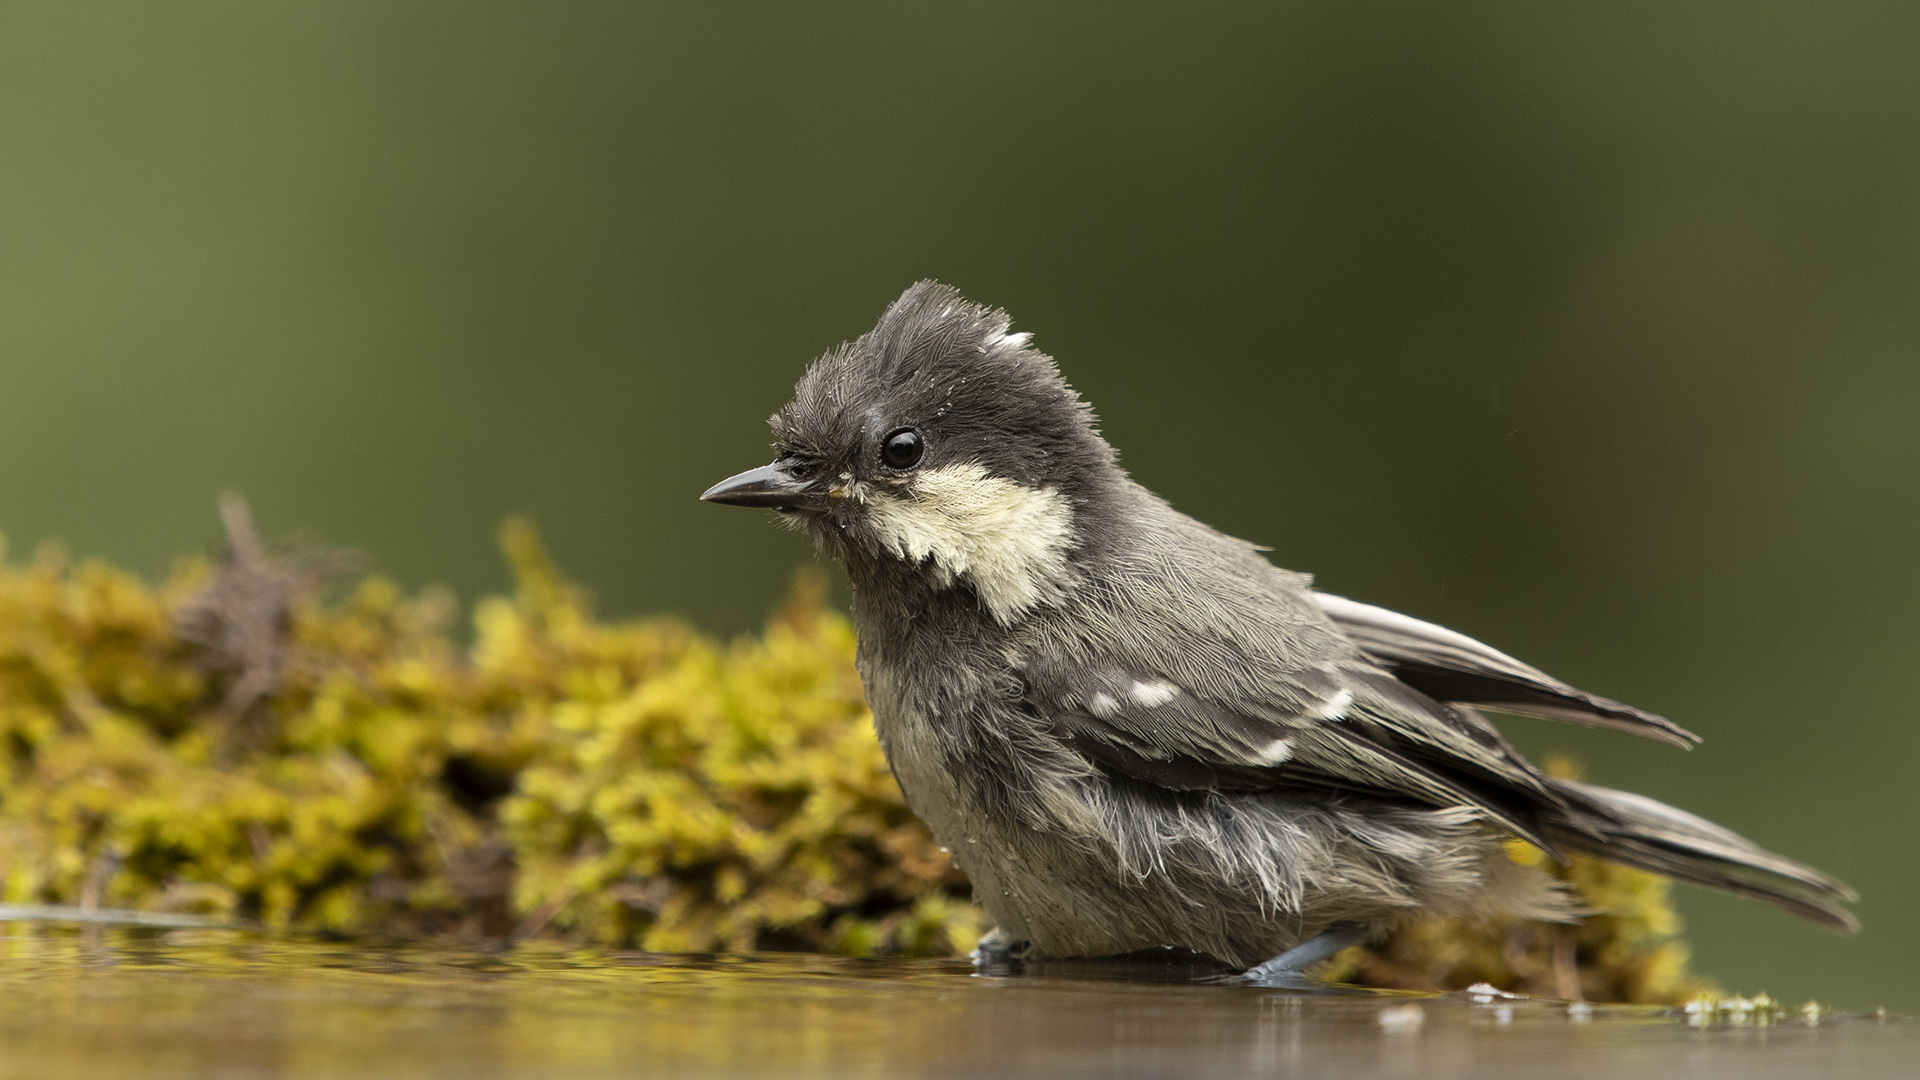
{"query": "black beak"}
[(768, 486)]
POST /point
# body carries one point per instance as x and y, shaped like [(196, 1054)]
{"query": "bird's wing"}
[(1453, 667), (1342, 723)]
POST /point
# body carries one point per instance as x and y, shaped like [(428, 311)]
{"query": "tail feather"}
[(1634, 830)]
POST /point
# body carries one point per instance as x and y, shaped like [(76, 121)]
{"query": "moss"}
[(631, 784)]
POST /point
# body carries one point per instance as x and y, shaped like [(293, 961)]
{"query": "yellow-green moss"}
[(624, 783), (632, 784)]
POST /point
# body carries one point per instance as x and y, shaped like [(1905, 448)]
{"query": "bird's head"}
[(941, 443)]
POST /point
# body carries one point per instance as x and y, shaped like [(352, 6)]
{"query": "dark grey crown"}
[(949, 368)]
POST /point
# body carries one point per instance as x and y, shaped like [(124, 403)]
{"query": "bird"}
[(1135, 732)]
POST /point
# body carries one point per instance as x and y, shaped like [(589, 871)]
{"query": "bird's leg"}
[(1289, 967)]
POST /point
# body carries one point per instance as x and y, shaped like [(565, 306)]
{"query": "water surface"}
[(221, 1004)]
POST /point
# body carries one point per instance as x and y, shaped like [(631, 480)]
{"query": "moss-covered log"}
[(228, 743)]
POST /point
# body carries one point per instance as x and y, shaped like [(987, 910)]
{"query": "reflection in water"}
[(229, 1004)]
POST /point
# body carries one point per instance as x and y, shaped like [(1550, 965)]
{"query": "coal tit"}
[(1134, 731)]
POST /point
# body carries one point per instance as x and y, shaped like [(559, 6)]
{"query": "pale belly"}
[(1086, 868)]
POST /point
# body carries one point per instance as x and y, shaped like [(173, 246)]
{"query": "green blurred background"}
[(1590, 330)]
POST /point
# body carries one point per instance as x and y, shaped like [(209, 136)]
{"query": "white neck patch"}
[(1008, 539)]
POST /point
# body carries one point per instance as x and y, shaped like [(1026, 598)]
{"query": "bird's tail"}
[(1622, 827)]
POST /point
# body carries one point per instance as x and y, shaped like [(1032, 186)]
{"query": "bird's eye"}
[(903, 449)]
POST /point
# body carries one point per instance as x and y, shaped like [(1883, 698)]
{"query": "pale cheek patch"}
[(1009, 540)]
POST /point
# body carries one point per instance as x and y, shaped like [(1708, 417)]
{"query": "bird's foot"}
[(1289, 969), (997, 954)]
